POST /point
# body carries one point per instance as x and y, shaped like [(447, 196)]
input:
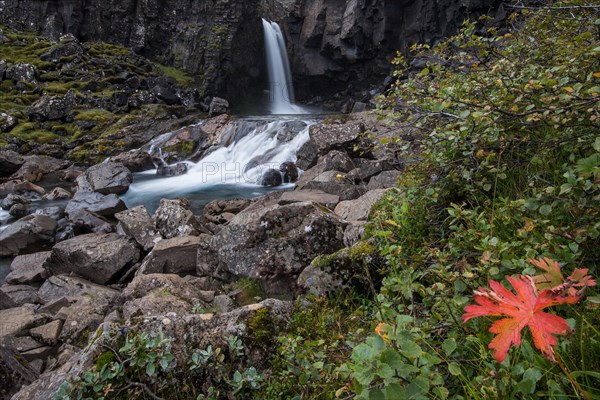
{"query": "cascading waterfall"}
[(281, 88), (233, 170)]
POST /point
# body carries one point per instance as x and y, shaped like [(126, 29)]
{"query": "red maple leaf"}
[(521, 309)]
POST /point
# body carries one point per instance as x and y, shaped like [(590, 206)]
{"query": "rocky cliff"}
[(335, 45)]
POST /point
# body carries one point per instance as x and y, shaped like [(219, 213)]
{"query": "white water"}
[(249, 148), (281, 88)]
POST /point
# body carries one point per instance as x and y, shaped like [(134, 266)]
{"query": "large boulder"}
[(185, 289), (10, 162), (98, 257), (105, 206), (58, 287), (273, 243), (6, 301), (218, 106), (21, 294), (135, 160), (57, 193), (317, 196), (15, 321), (14, 371), (222, 211), (307, 155), (51, 108), (172, 256), (138, 224), (85, 221), (27, 234), (36, 167), (28, 269), (22, 72), (106, 178), (327, 137), (359, 209), (13, 199), (174, 218), (333, 182)]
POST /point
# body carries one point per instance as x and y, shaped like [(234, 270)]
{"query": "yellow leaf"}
[(569, 89), (596, 75)]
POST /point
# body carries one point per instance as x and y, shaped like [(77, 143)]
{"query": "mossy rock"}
[(261, 328)]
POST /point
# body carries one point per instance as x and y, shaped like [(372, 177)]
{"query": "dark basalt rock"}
[(172, 170), (105, 206), (10, 162), (271, 177), (289, 171), (105, 178), (27, 234), (52, 108)]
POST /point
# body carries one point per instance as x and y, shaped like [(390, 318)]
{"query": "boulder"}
[(20, 210), (13, 199), (386, 179), (222, 211), (273, 243), (172, 256), (271, 177), (14, 321), (139, 225), (85, 221), (99, 257), (333, 182), (82, 318), (307, 155), (289, 171), (359, 209), (135, 160), (218, 106), (63, 49), (336, 160), (158, 303), (316, 196), (57, 193), (36, 167), (6, 301), (14, 371), (22, 72), (289, 130), (52, 108), (28, 268), (58, 287), (165, 93), (54, 212), (327, 137), (20, 186), (7, 122), (105, 206), (21, 294), (48, 333), (174, 218), (172, 170), (142, 285), (10, 162), (106, 178), (27, 234)]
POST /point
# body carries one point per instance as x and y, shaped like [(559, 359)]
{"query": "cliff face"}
[(334, 44)]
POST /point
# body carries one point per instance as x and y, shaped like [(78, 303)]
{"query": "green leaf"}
[(150, 369), (410, 349), (545, 210), (454, 369), (449, 346)]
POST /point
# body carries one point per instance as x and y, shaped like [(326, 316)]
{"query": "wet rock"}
[(85, 221), (173, 218), (105, 206), (327, 137), (27, 234), (289, 171), (106, 178), (52, 108), (307, 155), (359, 209), (10, 162), (316, 196), (20, 210), (274, 243), (172, 170), (48, 333), (20, 186), (135, 160), (14, 372), (57, 193), (6, 301), (56, 288), (36, 167), (7, 122), (21, 294), (99, 257), (54, 212), (218, 106), (172, 256), (138, 224), (13, 199), (289, 130), (271, 177), (28, 269)]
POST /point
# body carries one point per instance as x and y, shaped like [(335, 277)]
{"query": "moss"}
[(185, 147), (95, 114), (104, 359), (171, 72), (261, 328)]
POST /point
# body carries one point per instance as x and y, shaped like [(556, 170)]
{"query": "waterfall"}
[(281, 88)]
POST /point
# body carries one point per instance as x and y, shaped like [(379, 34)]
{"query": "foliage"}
[(144, 367), (506, 167)]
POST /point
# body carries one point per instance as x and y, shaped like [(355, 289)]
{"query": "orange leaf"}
[(521, 309), (553, 277)]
